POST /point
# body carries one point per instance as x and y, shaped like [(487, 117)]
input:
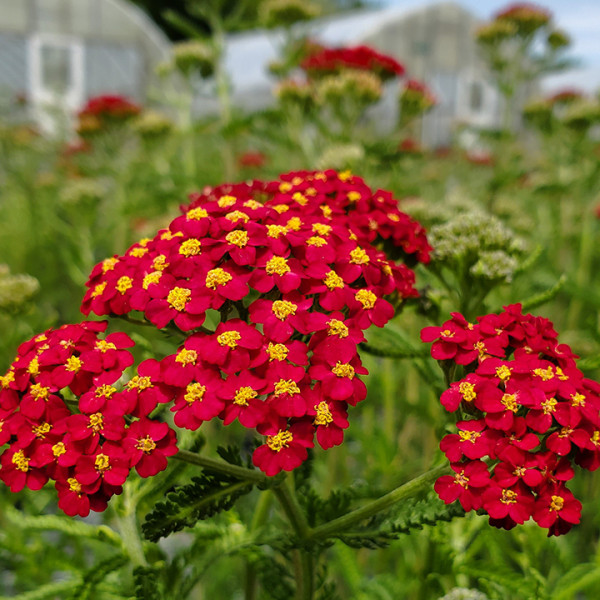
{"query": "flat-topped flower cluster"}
[(295, 272), (526, 416)]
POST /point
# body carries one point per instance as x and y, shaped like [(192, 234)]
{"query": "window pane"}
[(56, 68)]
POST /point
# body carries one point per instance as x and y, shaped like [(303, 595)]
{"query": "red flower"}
[(148, 444), (284, 449)]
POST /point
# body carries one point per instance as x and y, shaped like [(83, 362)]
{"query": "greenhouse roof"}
[(248, 54)]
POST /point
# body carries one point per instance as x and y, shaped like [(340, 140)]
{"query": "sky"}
[(579, 18)]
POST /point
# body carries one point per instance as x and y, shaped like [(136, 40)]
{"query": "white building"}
[(435, 42), (62, 52)]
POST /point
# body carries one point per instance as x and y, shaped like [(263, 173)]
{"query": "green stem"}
[(260, 516), (289, 503), (221, 466), (406, 490), (128, 528)]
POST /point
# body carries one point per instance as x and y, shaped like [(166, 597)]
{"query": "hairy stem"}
[(221, 466), (407, 490)]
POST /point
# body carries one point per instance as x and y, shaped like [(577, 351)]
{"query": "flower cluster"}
[(415, 99), (326, 61), (102, 110), (296, 279), (526, 17), (527, 414), (87, 447)]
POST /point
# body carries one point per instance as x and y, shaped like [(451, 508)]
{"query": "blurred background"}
[(482, 119)]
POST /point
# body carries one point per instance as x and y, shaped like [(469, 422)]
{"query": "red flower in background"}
[(531, 414)]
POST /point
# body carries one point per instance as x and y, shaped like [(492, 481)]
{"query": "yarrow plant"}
[(295, 271), (526, 415), (102, 111)]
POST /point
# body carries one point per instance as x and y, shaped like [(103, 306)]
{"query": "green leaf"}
[(409, 515), (95, 575), (391, 343), (506, 579), (579, 578), (146, 584), (207, 495), (65, 525), (546, 296), (59, 589)]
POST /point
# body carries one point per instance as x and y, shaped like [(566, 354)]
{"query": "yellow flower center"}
[(283, 309), (335, 327), (41, 430), (557, 503), (359, 257), (6, 380), (146, 444), (277, 351), (186, 357), (565, 432), (102, 463), (34, 367), (503, 372), (301, 199), (285, 186), (276, 231), (169, 235), (253, 204), (217, 277), (99, 289), (333, 280), (196, 214), (39, 392), (280, 440), (74, 485), (20, 461), (577, 399), (343, 370), (393, 217), (123, 284), (243, 395), (468, 391), (595, 439), (294, 224), (237, 238), (160, 263), (508, 497), (560, 374), (286, 386), (321, 229), (194, 392), (367, 298), (545, 374), (178, 297), (510, 402), (108, 264), (153, 277), (462, 479), (191, 247), (139, 383), (105, 391), (277, 266), (237, 215), (324, 416), (103, 346), (469, 436), (58, 449), (226, 201), (229, 338), (138, 252), (73, 364), (317, 241), (96, 423), (353, 196), (326, 210)]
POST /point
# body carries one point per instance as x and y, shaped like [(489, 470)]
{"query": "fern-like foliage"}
[(411, 514), (205, 496), (147, 584), (95, 575)]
